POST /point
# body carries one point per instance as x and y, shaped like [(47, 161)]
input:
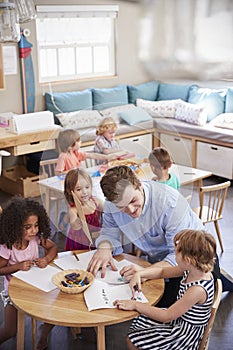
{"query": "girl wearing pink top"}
[(24, 225), (71, 157)]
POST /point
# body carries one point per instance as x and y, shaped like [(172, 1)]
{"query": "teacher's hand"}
[(100, 260), (129, 271)]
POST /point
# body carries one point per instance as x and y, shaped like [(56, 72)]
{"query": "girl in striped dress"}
[(181, 326)]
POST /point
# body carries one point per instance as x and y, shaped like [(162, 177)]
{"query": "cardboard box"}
[(18, 180)]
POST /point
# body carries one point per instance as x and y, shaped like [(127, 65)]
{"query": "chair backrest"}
[(88, 163), (217, 298), (47, 167), (212, 198)]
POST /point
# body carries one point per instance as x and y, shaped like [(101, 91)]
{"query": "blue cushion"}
[(146, 91), (213, 100), (110, 97), (134, 116), (63, 102), (229, 101), (173, 92)]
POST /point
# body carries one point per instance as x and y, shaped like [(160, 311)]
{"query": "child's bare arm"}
[(114, 150), (99, 156), (75, 222), (50, 253), (100, 205), (5, 269), (194, 295)]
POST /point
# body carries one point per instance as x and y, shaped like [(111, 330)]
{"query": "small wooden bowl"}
[(75, 289)]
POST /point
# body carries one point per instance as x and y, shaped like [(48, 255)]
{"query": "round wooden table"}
[(70, 310)]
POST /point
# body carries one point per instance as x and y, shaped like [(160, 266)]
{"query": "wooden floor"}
[(222, 334)]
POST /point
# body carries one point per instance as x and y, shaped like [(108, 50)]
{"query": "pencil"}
[(76, 257)]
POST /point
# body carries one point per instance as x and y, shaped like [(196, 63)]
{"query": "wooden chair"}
[(212, 200), (217, 298), (47, 169), (89, 163)]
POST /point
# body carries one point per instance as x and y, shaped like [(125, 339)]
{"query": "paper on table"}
[(67, 263), (100, 295), (39, 278), (114, 277), (82, 217)]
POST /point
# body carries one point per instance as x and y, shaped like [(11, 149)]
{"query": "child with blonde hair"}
[(182, 325), (160, 163), (69, 142), (105, 142)]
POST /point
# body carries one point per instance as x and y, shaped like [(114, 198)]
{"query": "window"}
[(187, 39), (75, 42)]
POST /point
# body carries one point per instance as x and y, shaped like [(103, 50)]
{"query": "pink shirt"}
[(69, 160), (17, 255)]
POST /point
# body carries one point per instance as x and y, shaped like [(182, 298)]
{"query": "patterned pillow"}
[(163, 109), (113, 112), (80, 119), (191, 113)]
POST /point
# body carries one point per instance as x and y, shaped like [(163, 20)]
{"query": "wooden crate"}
[(18, 180)]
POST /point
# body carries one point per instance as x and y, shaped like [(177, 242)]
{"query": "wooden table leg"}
[(101, 338), (20, 330), (33, 333)]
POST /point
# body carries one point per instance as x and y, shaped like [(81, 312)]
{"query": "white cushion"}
[(163, 109), (80, 119), (224, 120), (113, 112), (191, 113)]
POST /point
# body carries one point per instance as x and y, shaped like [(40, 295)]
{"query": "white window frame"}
[(80, 11)]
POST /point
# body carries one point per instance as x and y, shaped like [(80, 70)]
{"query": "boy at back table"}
[(71, 157), (160, 163)]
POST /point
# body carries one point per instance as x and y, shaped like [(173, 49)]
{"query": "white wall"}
[(129, 69)]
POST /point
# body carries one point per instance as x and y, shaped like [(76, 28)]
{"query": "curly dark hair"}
[(14, 215)]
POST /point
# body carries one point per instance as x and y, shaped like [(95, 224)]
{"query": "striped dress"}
[(184, 333)]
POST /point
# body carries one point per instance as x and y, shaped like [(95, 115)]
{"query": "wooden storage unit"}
[(140, 145), (179, 148), (37, 146), (18, 180), (206, 154), (215, 158)]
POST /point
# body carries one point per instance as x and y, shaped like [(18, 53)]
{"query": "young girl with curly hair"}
[(105, 142), (24, 226), (180, 326)]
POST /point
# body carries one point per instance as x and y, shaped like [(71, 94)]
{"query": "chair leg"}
[(75, 331), (56, 214), (219, 235)]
